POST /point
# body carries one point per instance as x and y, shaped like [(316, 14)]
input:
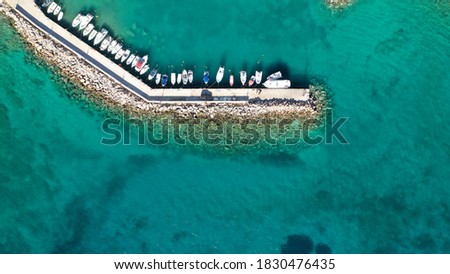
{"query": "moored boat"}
[(144, 70), (259, 75), (275, 76), (77, 20), (164, 80), (173, 78), (135, 61), (125, 56), (184, 76), (231, 80), (206, 77), (282, 84), (86, 20), (100, 36), (51, 8), (111, 46), (130, 59), (179, 78), (153, 73), (141, 63), (116, 49), (243, 74), (46, 3), (158, 78), (220, 74), (60, 16), (251, 81), (88, 29), (119, 54), (105, 43), (57, 10), (190, 76), (92, 35)]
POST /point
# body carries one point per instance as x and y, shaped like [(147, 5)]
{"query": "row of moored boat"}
[(53, 9)]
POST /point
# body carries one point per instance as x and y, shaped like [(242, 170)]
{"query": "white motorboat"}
[(173, 78), (119, 54), (86, 20), (282, 84), (179, 78), (60, 16), (116, 49), (251, 81), (100, 36), (92, 35), (190, 76), (259, 75), (275, 76), (51, 8), (243, 77), (144, 69), (88, 29), (141, 63), (112, 46), (106, 43), (77, 20), (184, 77), (220, 74), (125, 56), (57, 10), (153, 73), (130, 59), (46, 3), (158, 78), (135, 61)]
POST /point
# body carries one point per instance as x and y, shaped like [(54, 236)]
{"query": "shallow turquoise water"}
[(386, 65)]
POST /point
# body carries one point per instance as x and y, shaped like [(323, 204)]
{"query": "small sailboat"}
[(46, 3), (231, 80), (158, 78), (100, 36), (135, 61), (116, 49), (88, 29), (275, 76), (119, 54), (130, 59), (111, 46), (105, 43), (184, 76), (164, 80), (60, 16), (251, 81), (277, 84), (206, 77), (92, 35), (125, 56), (51, 8), (220, 74), (190, 76), (259, 75), (141, 63), (179, 78), (77, 20), (57, 10), (153, 73), (243, 77), (144, 70), (86, 20), (173, 78)]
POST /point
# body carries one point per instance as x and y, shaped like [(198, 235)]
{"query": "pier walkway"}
[(33, 14)]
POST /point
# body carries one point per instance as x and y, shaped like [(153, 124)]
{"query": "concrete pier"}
[(32, 13)]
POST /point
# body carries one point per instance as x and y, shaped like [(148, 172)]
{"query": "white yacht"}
[(60, 16), (100, 36), (173, 78), (88, 29), (130, 59), (76, 22), (158, 78), (125, 56), (259, 75), (92, 35), (243, 77), (190, 76), (144, 70), (275, 76), (51, 8), (153, 73), (119, 54), (184, 77), (106, 43), (111, 46), (282, 84), (86, 20), (220, 74), (116, 49), (57, 10)]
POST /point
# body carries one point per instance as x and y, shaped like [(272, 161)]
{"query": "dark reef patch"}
[(323, 249), (178, 236), (298, 244), (281, 159)]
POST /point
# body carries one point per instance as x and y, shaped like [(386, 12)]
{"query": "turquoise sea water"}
[(386, 64)]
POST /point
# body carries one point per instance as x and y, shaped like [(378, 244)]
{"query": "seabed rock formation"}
[(338, 4)]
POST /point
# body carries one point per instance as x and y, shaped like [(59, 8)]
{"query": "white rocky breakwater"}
[(113, 94)]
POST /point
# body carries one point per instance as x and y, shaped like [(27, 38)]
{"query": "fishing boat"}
[(251, 81), (164, 80), (92, 35), (111, 46), (275, 76), (243, 77), (141, 63), (125, 56), (86, 20), (259, 75), (135, 61), (116, 49), (179, 78), (144, 70), (173, 78), (130, 59), (220, 74), (60, 16), (190, 76), (57, 10), (88, 29), (77, 20), (46, 3), (158, 78), (277, 84), (184, 76), (51, 8), (206, 77), (100, 36), (105, 43), (231, 80), (119, 54), (153, 73)]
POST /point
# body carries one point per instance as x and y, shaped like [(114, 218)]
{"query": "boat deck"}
[(35, 16)]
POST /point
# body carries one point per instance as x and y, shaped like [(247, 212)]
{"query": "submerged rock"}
[(323, 249), (298, 244)]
